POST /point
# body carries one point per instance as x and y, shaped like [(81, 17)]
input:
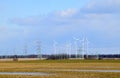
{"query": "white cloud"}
[(102, 6), (96, 16), (10, 32), (66, 13), (2, 28)]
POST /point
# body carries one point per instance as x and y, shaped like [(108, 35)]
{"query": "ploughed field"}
[(62, 68)]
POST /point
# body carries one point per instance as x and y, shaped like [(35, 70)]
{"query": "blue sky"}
[(25, 21)]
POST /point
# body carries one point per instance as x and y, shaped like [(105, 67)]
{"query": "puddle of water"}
[(24, 73), (117, 71), (41, 74)]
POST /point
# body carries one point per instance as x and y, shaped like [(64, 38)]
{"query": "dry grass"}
[(54, 66)]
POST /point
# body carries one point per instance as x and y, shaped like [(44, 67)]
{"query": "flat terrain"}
[(59, 68)]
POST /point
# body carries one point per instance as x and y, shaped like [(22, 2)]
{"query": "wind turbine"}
[(83, 47), (86, 45), (68, 49), (76, 46)]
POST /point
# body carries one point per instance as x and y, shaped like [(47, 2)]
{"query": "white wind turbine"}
[(68, 49), (76, 45), (86, 45)]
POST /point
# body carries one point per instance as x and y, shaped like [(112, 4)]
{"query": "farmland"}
[(60, 68)]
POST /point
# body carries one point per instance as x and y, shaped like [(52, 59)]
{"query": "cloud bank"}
[(102, 6), (99, 19)]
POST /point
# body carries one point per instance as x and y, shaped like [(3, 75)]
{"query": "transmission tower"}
[(38, 44), (55, 48), (25, 49)]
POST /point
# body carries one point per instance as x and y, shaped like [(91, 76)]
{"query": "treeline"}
[(63, 56)]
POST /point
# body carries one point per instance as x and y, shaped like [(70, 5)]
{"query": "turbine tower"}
[(68, 49), (76, 46), (85, 47)]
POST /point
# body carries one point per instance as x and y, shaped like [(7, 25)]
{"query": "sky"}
[(23, 22)]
